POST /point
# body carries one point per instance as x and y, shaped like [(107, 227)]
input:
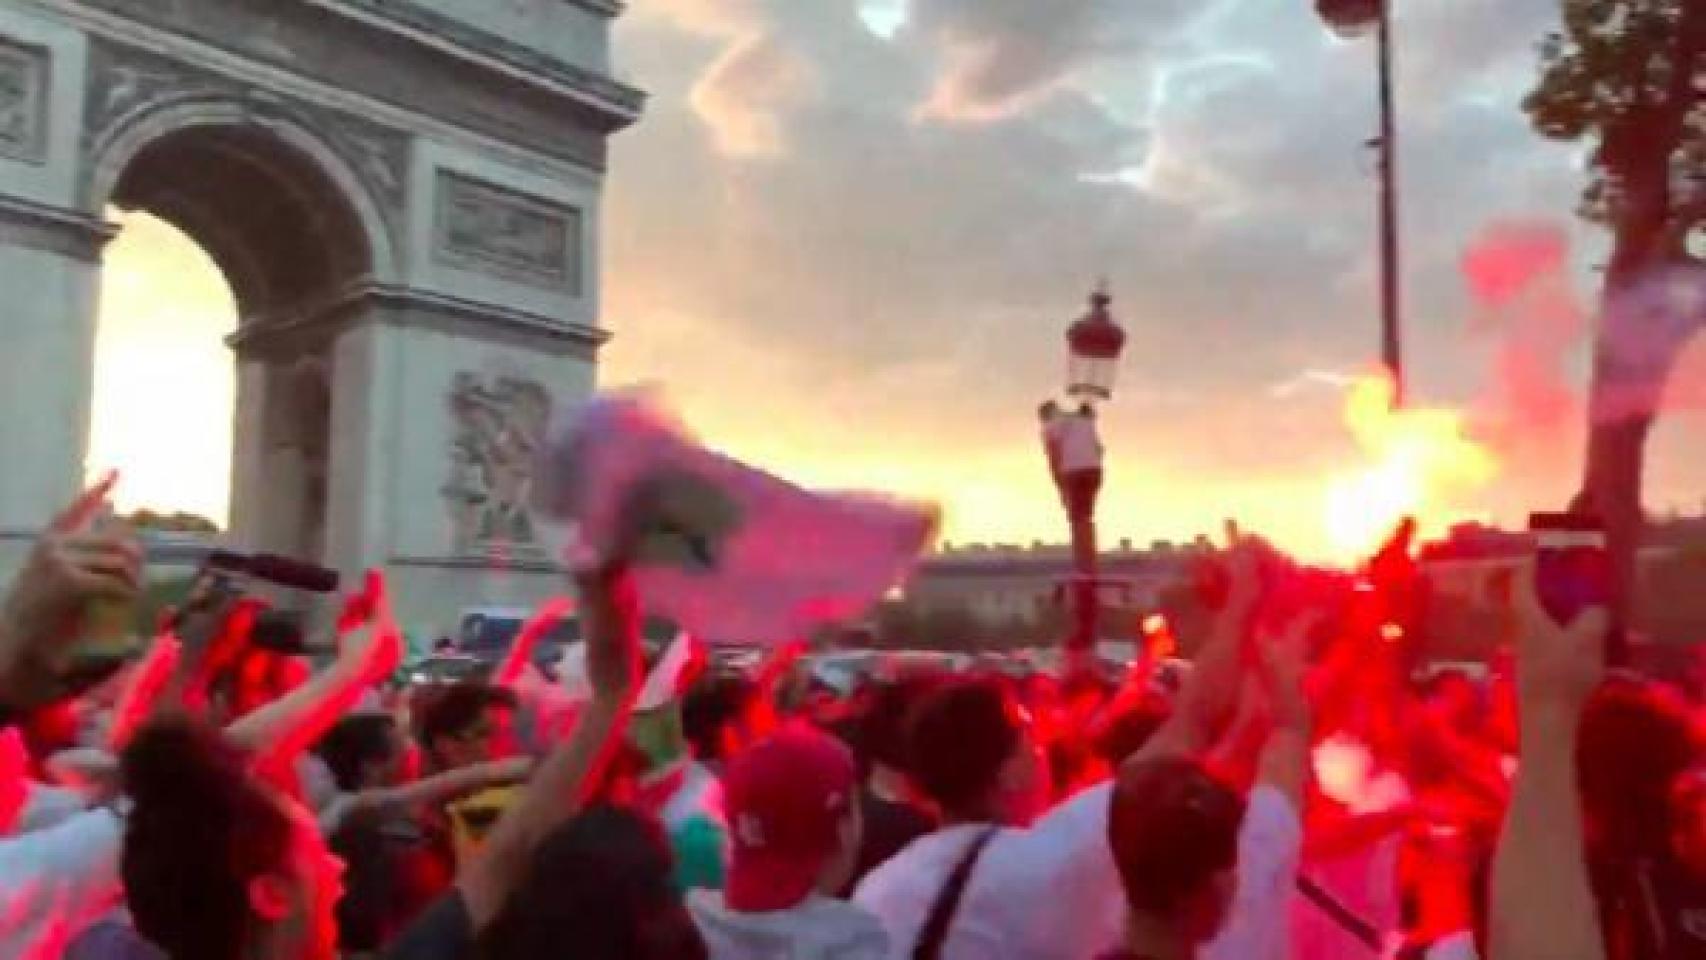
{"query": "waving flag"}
[(728, 551)]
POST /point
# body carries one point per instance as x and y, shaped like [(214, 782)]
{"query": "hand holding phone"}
[(1572, 568)]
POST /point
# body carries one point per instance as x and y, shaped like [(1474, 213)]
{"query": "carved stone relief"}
[(496, 425), (23, 101), (514, 236), (124, 81)]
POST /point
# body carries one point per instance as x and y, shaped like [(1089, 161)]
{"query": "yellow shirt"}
[(473, 817)]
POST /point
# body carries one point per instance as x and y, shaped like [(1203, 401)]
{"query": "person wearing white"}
[(795, 836), (1053, 890), (818, 927), (56, 882)]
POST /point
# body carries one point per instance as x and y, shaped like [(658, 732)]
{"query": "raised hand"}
[(372, 645), (69, 566), (1556, 665), (1283, 663)]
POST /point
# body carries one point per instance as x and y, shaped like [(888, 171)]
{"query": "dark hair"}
[(1171, 826), (711, 705), (601, 883), (199, 831), (963, 734), (455, 710), (1634, 740), (355, 741), (1127, 731), (279, 631), (883, 727)]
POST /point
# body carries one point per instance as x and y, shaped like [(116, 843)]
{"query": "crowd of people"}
[(1296, 792)]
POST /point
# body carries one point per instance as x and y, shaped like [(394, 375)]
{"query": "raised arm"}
[(40, 616), (1282, 664), (1206, 699), (278, 733), (1542, 904), (143, 689), (520, 653), (440, 788), (564, 780)]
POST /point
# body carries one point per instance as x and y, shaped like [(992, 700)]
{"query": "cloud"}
[(744, 97), (998, 56), (826, 277)]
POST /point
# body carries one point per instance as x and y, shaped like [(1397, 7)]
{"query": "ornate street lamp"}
[(1094, 344), (1350, 18)]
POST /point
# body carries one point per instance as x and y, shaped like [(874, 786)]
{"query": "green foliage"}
[(178, 522), (1617, 75)]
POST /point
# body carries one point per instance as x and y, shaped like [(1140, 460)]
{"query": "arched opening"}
[(283, 235), (165, 386)]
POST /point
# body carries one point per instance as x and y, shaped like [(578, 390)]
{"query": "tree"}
[(179, 522), (1624, 76)]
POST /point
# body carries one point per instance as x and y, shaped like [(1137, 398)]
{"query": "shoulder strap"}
[(935, 932), (1346, 918)]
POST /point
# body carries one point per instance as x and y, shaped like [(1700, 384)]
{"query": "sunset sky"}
[(848, 236)]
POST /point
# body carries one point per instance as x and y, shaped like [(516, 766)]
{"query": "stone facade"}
[(405, 197)]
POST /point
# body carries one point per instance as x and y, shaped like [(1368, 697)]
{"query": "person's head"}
[(599, 887), (467, 723), (1634, 739), (717, 716), (217, 865), (1127, 731), (887, 718), (1048, 411), (972, 752), (1173, 831), (793, 822), (363, 752)]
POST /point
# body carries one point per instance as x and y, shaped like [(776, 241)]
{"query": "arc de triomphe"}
[(404, 196)]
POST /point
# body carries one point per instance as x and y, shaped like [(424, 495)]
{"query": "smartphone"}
[(1572, 568)]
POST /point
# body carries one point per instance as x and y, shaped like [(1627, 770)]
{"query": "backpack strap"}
[(935, 932), (1346, 918)]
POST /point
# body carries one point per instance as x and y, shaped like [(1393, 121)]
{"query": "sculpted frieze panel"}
[(497, 424), (23, 101), (507, 234)]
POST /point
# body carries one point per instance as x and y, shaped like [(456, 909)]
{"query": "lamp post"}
[(1354, 18), (1094, 343)]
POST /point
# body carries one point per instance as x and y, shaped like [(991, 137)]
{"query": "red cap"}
[(785, 798)]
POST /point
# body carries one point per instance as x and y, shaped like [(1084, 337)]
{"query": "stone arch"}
[(206, 166), (297, 232), (400, 195)]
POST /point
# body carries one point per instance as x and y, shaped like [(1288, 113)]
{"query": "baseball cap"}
[(785, 797)]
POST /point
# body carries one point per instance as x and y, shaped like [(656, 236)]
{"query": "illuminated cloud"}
[(745, 95), (997, 57), (857, 298)]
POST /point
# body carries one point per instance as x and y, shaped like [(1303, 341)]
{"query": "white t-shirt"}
[(1074, 440), (1270, 844), (46, 806), (55, 883), (1053, 890), (817, 929), (1366, 883)]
